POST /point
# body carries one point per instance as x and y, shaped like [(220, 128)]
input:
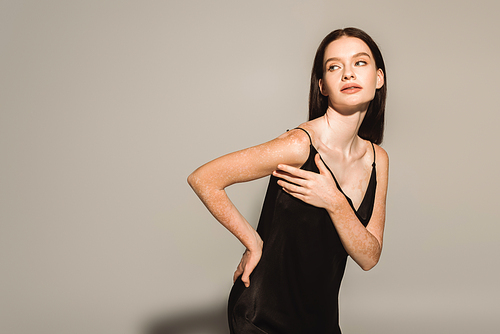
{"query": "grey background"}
[(107, 106)]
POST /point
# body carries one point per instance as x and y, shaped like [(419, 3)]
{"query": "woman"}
[(325, 200)]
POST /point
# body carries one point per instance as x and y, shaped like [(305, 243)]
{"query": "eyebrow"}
[(359, 54)]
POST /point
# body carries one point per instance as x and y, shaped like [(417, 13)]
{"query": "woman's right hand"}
[(249, 261)]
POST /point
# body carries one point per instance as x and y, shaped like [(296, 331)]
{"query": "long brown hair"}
[(372, 128)]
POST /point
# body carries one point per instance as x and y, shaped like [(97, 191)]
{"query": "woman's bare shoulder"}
[(296, 142), (381, 154), (381, 159)]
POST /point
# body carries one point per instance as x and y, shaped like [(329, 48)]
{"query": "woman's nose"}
[(348, 74)]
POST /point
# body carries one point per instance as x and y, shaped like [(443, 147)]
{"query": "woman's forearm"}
[(361, 245), (221, 207)]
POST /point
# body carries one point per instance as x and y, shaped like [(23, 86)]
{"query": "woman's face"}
[(350, 75)]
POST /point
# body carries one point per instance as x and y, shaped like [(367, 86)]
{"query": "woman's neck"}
[(340, 131)]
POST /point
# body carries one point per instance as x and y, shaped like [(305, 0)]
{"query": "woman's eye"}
[(361, 63), (333, 67)]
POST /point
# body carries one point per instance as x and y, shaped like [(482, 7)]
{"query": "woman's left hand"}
[(316, 189)]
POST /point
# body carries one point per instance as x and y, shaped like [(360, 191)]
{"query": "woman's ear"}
[(320, 84), (380, 78)]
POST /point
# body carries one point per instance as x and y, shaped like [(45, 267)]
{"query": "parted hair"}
[(372, 127)]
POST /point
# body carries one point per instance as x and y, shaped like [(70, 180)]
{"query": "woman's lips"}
[(350, 89)]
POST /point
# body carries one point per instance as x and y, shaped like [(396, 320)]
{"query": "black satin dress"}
[(295, 286)]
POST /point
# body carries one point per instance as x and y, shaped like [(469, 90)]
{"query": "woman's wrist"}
[(256, 244), (337, 203)]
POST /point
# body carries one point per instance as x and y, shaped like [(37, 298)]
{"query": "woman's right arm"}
[(210, 180)]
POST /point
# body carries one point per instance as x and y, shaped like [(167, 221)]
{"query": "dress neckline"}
[(370, 180), (340, 188)]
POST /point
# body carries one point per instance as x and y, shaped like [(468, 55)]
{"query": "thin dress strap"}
[(373, 147)]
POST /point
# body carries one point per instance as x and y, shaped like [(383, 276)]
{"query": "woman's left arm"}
[(363, 244)]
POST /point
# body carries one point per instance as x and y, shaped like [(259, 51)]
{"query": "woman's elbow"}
[(198, 182), (368, 266), (193, 180), (370, 263), (190, 180), (371, 257)]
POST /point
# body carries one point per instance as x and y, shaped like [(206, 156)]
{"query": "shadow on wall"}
[(212, 321)]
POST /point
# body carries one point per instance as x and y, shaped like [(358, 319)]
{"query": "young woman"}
[(325, 200)]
